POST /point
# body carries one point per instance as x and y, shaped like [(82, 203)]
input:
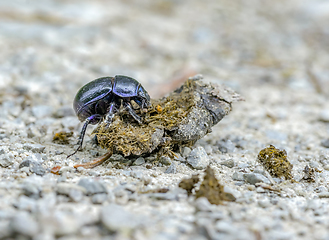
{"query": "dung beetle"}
[(102, 98)]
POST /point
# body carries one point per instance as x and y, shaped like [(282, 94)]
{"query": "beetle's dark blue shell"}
[(125, 86), (89, 95)]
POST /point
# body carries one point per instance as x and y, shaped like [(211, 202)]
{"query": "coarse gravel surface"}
[(274, 53)]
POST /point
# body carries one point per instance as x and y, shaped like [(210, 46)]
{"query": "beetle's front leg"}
[(113, 108), (128, 106), (91, 120)]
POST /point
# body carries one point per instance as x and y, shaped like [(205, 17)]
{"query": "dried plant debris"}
[(209, 188), (275, 162), (309, 174), (62, 137), (157, 190), (212, 190), (189, 183), (180, 119)]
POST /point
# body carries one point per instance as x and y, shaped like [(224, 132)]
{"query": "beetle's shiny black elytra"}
[(102, 98)]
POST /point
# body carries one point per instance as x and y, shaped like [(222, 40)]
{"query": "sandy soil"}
[(274, 53)]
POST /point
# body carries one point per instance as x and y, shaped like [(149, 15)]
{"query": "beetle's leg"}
[(91, 120), (143, 104), (113, 108), (128, 106)]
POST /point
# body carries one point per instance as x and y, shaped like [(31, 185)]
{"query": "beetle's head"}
[(143, 98)]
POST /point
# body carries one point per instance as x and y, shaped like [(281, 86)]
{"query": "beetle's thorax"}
[(125, 87)]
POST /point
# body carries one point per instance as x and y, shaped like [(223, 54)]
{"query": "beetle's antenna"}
[(82, 135)]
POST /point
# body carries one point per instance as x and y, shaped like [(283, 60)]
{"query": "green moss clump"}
[(275, 162)]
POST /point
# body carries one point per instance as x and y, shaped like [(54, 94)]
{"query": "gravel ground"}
[(274, 53)]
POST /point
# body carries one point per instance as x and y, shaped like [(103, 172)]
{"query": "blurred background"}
[(46, 45), (274, 53)]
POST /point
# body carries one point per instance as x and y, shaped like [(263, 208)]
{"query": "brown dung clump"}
[(209, 188), (180, 119), (189, 183), (212, 190), (62, 137), (275, 162)]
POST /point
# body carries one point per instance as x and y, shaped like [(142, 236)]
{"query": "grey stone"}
[(116, 218), (208, 149), (92, 186), (313, 204), (67, 169), (226, 227), (64, 111), (238, 176), (172, 168), (3, 135), (276, 135), (260, 190), (165, 160), (198, 158), (186, 152), (325, 143), (75, 192), (34, 157), (6, 160), (202, 204), (254, 178), (130, 187), (235, 193), (70, 122), (2, 151), (260, 171), (320, 189), (163, 196), (323, 195), (25, 203), (94, 153), (324, 116), (324, 157), (264, 203), (99, 198), (24, 224), (5, 229), (35, 167), (117, 157), (57, 152), (137, 174), (31, 190), (64, 223), (25, 163), (226, 146), (37, 148), (33, 131), (139, 161), (228, 163), (243, 165), (121, 195), (42, 111)]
